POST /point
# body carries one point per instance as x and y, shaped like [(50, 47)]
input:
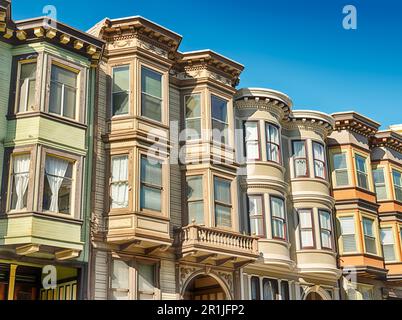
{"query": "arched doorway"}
[(313, 296), (204, 287)]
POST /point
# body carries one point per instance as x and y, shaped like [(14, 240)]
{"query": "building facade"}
[(47, 73), (134, 171)]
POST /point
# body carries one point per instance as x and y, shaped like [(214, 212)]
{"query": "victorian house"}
[(47, 82)]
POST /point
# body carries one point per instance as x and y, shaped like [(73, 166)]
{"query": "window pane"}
[(326, 239), (223, 216), (119, 192), (195, 194), (318, 151), (378, 175), (397, 178), (387, 240), (196, 212), (151, 82), (272, 152), (146, 277), (70, 100), (368, 227), (278, 207), (307, 239), (151, 107), (58, 185), (193, 129), (219, 109), (252, 150), (150, 198), (285, 290), (361, 164), (27, 86), (220, 131), (56, 90), (151, 171), (340, 161), (348, 234), (325, 220), (299, 149), (120, 275), (305, 219), (342, 178), (64, 76), (193, 106), (255, 288), (278, 229), (270, 289), (362, 180), (21, 165), (121, 79), (255, 205), (272, 134), (120, 103), (222, 190), (301, 167)]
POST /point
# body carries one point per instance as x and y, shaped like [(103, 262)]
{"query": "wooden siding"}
[(100, 275), (5, 70)]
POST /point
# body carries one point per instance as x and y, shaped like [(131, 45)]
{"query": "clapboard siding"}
[(5, 70), (101, 275), (168, 278), (175, 175)]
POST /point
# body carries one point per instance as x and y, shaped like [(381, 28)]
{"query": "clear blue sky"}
[(298, 47)]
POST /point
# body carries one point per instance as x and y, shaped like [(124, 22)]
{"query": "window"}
[(348, 234), (220, 122), (26, 86), (361, 169), (300, 159), (63, 92), (306, 226), (146, 281), (151, 184), (285, 290), (255, 288), (256, 215), (278, 218), (151, 93), (193, 117), (341, 170), (119, 182), (121, 90), (379, 183), (320, 168), (269, 289), (387, 241), (325, 229), (120, 280), (397, 177), (19, 181), (223, 203), (251, 140), (58, 185), (195, 200), (133, 280), (369, 236), (360, 292), (273, 143)]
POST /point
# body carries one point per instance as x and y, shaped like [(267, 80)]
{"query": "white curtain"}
[(251, 137), (120, 182), (55, 171), (306, 225), (21, 178), (319, 155), (301, 164)]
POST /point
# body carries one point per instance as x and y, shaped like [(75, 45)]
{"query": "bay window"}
[(151, 94), (379, 183), (119, 182), (121, 90), (223, 202), (220, 119), (300, 159), (278, 218), (63, 92), (320, 168), (251, 140), (325, 229), (20, 166), (193, 116), (397, 178), (388, 244), (306, 227), (256, 215), (362, 174), (369, 236), (151, 184), (26, 86), (348, 234), (195, 200), (58, 184), (341, 169), (269, 289), (273, 143)]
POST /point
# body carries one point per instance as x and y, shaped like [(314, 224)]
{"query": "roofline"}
[(206, 51), (375, 123)]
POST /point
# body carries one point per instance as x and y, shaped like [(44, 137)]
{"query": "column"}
[(11, 281)]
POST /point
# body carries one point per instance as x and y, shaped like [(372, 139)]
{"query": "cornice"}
[(311, 120), (355, 122), (388, 139)]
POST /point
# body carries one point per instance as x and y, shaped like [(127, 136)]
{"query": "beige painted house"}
[(206, 192)]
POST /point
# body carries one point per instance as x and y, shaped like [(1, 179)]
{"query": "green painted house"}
[(46, 133)]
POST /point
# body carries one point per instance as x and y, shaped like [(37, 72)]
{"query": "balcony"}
[(218, 247), (41, 236)]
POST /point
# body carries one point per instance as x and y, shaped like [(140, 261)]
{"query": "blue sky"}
[(296, 46)]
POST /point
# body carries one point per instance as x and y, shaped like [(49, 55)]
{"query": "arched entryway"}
[(313, 296), (205, 287)]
